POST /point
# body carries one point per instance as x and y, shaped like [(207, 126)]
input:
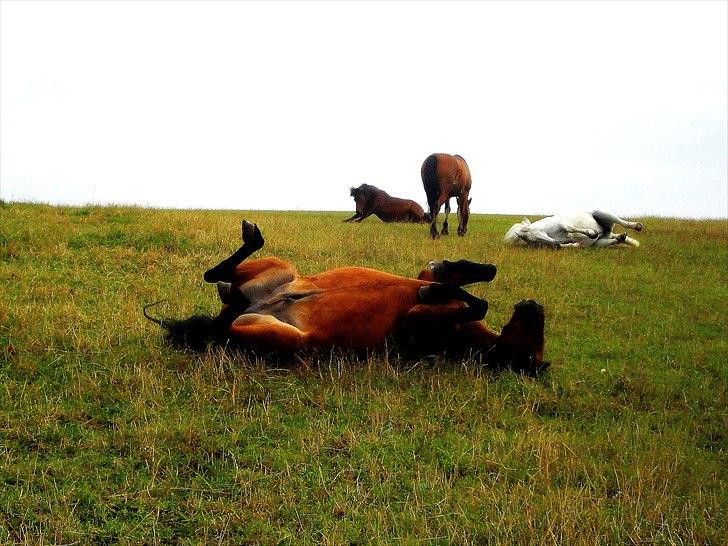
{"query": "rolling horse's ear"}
[(526, 221), (470, 200)]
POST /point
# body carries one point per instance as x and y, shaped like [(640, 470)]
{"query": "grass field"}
[(107, 435)]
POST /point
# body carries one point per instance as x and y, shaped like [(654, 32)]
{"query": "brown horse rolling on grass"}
[(269, 307), (371, 200), (445, 176)]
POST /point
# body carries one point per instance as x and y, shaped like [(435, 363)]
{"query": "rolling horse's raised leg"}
[(239, 284), (614, 239), (440, 294), (457, 273), (571, 228), (253, 280), (267, 333), (607, 221), (252, 241), (441, 310)]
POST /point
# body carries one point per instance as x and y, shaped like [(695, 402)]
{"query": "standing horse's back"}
[(461, 174), (445, 173)]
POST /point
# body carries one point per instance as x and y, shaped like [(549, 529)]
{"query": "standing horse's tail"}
[(429, 181)]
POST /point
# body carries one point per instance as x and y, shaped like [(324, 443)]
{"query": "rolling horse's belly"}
[(348, 307)]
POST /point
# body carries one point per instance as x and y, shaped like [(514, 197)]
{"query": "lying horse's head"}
[(365, 190), (518, 231), (520, 345)]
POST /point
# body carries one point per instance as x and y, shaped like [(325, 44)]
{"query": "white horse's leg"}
[(615, 239), (603, 242), (539, 237), (606, 218), (571, 228)]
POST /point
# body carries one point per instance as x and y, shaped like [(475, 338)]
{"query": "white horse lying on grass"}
[(580, 230)]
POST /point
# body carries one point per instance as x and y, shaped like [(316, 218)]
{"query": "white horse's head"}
[(518, 232)]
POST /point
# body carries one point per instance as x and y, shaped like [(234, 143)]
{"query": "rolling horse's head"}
[(520, 344)]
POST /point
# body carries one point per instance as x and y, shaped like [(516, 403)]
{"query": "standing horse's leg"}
[(607, 221), (434, 211), (252, 241), (447, 211), (463, 214)]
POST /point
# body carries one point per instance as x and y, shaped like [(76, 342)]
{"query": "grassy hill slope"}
[(108, 435)]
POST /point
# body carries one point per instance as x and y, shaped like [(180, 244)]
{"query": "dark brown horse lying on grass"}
[(371, 200), (445, 176), (269, 307)]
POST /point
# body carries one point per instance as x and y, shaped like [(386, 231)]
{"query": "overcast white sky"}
[(556, 106)]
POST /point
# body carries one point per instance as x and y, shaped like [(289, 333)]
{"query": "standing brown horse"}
[(445, 176), (269, 307), (371, 200)]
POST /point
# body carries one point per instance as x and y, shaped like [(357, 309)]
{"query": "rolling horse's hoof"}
[(224, 290), (252, 241), (435, 293), (251, 235), (232, 296)]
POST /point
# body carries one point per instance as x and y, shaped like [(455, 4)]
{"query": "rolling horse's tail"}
[(192, 333), (429, 181)]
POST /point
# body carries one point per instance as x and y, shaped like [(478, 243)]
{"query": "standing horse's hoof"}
[(444, 231)]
